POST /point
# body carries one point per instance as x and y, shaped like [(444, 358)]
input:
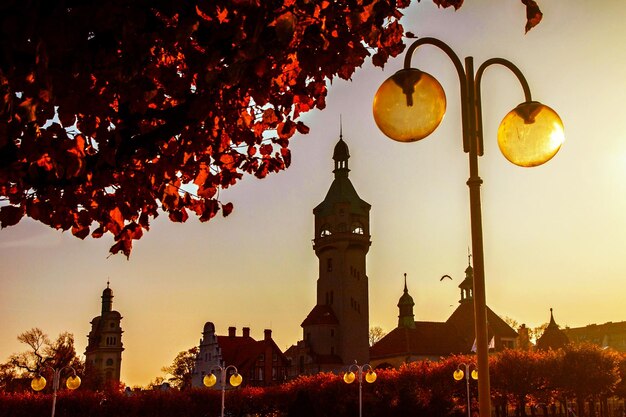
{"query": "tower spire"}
[(406, 318), (340, 128)]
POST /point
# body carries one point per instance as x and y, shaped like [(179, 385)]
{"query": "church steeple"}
[(406, 318)]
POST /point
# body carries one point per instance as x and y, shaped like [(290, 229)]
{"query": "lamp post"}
[(458, 375), (39, 382), (409, 106), (370, 376), (235, 380)]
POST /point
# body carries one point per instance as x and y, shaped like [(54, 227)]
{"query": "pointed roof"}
[(462, 319), (552, 337), (341, 190), (427, 338), (321, 314)]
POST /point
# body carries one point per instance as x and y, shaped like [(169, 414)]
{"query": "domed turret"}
[(107, 299), (406, 318), (341, 154)]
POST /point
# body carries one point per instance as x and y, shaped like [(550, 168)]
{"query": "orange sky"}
[(555, 235)]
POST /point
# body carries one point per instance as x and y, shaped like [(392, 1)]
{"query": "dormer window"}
[(357, 228)]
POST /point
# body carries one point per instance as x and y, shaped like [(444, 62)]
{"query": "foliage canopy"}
[(113, 111)]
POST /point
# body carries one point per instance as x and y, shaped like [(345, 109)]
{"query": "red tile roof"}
[(426, 339)]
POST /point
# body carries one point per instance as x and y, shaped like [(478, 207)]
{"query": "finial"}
[(405, 288), (340, 128), (469, 256), (108, 282)]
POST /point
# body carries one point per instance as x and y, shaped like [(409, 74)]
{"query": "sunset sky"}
[(554, 236)]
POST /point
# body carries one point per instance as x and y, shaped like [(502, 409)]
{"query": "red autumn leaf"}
[(10, 215), (533, 14), (227, 209), (266, 150), (302, 128), (80, 232)]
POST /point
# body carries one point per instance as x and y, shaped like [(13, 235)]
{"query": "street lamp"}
[(39, 382), (458, 375), (409, 106), (235, 380), (370, 376)]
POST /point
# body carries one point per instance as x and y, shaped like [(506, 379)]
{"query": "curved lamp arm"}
[(479, 74), (463, 80)]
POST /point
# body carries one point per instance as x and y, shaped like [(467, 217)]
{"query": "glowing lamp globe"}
[(370, 376), (209, 380), (38, 383), (73, 382), (409, 105), (236, 379), (531, 134), (349, 377), (458, 374), (474, 374)]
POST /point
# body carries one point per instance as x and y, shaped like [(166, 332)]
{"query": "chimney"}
[(231, 331), (268, 334), (246, 332)]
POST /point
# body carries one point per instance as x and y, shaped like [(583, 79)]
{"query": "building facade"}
[(103, 355), (336, 331), (608, 335), (260, 362)]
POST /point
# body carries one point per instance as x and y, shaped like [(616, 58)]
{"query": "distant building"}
[(607, 335), (419, 340), (260, 362), (336, 331), (103, 355), (553, 337)]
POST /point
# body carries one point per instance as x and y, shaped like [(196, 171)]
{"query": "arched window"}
[(109, 362), (325, 231), (357, 228)]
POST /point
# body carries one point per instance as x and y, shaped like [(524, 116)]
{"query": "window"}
[(357, 228), (325, 231), (274, 374), (262, 357), (332, 350), (329, 264), (112, 325), (332, 332), (342, 227), (274, 357), (109, 362)]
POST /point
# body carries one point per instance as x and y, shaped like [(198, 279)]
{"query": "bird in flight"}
[(445, 276)]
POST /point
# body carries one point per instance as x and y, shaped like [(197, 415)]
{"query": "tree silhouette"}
[(111, 112)]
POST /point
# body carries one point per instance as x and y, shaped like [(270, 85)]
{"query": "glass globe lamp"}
[(530, 134), (370, 376), (236, 379), (209, 380), (409, 105), (349, 377), (73, 382), (458, 374), (38, 383), (474, 374)]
